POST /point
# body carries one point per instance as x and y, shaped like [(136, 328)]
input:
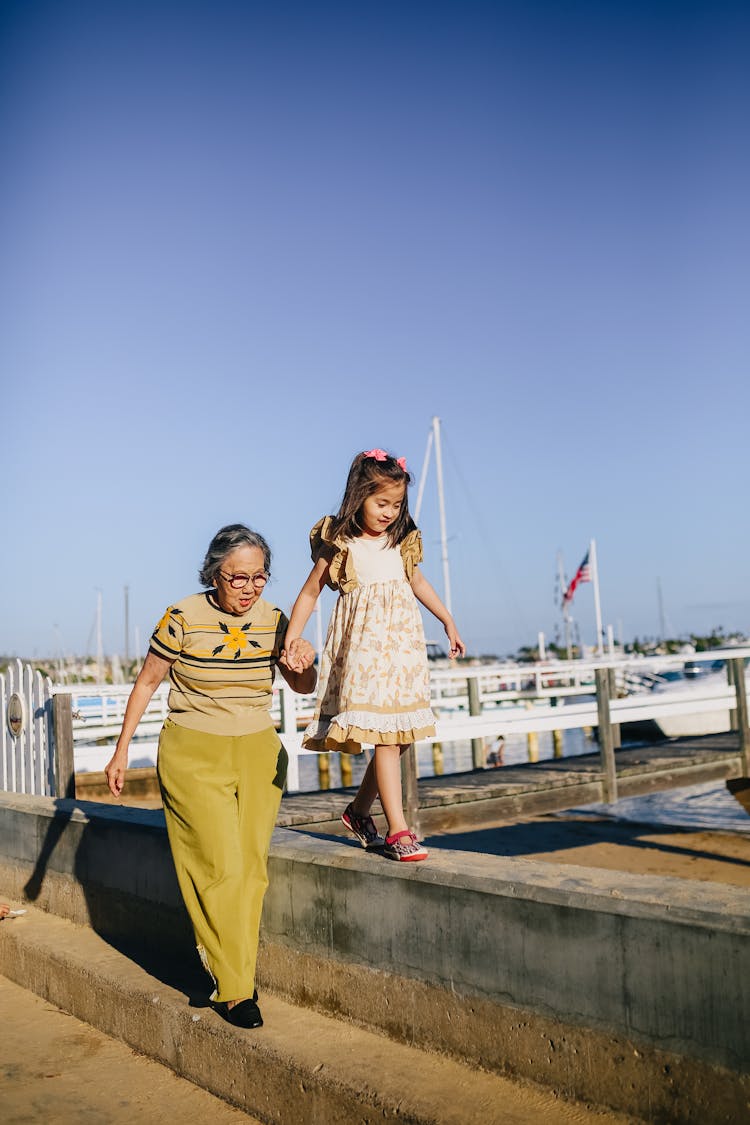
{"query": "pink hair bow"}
[(381, 455)]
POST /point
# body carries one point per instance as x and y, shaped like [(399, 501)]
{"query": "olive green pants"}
[(221, 797)]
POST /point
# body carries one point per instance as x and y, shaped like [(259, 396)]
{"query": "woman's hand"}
[(115, 771)]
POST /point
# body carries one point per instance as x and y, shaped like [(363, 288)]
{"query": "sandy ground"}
[(57, 1070), (719, 857)]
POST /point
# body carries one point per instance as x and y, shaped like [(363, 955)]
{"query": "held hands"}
[(299, 655)]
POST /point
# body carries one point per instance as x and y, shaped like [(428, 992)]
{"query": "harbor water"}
[(705, 808)]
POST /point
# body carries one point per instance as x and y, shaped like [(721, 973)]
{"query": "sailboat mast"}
[(662, 615), (127, 624), (99, 643), (441, 503)]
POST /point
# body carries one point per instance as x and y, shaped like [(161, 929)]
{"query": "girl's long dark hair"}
[(366, 476)]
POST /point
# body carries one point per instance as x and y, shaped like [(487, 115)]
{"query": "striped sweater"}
[(222, 666)]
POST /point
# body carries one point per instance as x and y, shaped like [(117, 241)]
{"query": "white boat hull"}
[(690, 726)]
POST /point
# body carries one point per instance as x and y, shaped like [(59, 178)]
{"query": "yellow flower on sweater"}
[(237, 639)]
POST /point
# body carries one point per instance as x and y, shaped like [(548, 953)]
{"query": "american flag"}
[(583, 574)]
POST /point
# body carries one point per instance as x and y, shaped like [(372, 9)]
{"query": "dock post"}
[(411, 788), (532, 739), (558, 750), (478, 756), (288, 725), (733, 725), (606, 743), (345, 764), (287, 711), (62, 720), (616, 737), (742, 716)]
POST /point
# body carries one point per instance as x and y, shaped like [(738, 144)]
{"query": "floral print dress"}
[(374, 683)]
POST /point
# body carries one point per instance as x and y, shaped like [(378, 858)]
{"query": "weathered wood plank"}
[(606, 736), (65, 778)]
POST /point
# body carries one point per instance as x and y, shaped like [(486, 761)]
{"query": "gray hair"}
[(226, 540)]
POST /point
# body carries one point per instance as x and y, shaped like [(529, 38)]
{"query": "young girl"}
[(374, 683)]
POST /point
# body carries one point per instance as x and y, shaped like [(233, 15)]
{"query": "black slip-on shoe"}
[(245, 1014)]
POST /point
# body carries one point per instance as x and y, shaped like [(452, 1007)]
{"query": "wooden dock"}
[(482, 798)]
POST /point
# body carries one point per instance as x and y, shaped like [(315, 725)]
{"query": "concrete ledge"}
[(301, 1067), (608, 987)]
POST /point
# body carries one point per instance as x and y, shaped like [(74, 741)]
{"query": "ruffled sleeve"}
[(341, 573), (411, 552), (320, 538)]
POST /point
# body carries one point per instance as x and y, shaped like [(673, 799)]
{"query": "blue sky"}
[(241, 242)]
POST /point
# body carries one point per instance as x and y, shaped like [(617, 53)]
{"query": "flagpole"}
[(594, 565)]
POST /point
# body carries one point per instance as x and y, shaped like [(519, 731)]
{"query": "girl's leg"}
[(368, 786), (367, 792), (386, 763)]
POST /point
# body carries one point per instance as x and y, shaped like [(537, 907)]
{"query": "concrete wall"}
[(629, 991)]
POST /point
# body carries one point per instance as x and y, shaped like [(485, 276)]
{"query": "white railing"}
[(98, 709), (470, 702)]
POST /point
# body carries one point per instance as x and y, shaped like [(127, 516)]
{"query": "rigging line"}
[(489, 546)]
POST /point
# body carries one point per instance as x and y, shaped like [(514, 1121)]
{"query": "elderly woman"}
[(221, 765)]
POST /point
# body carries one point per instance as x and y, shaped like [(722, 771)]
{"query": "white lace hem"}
[(373, 721)]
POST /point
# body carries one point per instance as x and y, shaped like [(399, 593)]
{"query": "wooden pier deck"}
[(481, 798)]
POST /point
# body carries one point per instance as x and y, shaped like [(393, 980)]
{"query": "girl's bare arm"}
[(302, 609), (425, 593)]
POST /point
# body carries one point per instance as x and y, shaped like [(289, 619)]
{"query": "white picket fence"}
[(27, 758)]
